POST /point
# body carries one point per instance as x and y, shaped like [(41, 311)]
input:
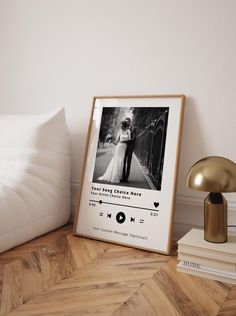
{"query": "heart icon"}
[(156, 204)]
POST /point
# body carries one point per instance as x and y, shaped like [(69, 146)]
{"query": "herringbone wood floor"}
[(59, 274)]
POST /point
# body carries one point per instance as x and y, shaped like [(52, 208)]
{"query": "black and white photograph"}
[(131, 147)]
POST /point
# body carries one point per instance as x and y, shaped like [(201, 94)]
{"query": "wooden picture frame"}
[(128, 186)]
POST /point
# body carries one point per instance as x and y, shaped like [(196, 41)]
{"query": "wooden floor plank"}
[(12, 292), (158, 300), (42, 241), (195, 294), (107, 281), (136, 305), (229, 306), (1, 285), (60, 274), (32, 282)]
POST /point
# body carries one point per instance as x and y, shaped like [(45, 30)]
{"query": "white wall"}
[(62, 52)]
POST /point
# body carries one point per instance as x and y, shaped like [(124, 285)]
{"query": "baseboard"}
[(74, 193), (198, 200)]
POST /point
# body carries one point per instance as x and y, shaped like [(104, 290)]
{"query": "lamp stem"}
[(215, 218)]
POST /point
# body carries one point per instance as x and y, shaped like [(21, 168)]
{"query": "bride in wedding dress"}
[(114, 170)]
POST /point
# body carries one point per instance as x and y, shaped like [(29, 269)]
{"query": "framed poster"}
[(128, 185)]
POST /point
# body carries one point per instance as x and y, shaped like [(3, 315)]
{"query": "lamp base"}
[(215, 218)]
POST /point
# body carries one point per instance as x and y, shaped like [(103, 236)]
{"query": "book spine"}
[(206, 274), (215, 255), (207, 269), (191, 264), (195, 260)]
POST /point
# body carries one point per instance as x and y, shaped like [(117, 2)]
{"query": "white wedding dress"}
[(115, 168)]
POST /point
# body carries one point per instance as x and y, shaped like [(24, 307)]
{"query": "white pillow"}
[(34, 176)]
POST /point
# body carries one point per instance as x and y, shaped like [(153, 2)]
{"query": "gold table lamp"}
[(215, 175)]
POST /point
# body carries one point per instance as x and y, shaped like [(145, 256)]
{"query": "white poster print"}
[(130, 171)]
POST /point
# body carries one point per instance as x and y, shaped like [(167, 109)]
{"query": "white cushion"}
[(34, 176)]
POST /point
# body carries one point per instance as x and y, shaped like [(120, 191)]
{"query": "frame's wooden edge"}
[(173, 204), (169, 243), (141, 96)]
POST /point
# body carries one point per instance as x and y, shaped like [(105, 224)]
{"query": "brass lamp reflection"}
[(215, 175)]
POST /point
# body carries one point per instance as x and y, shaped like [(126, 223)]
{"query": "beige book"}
[(193, 243), (206, 273), (192, 260)]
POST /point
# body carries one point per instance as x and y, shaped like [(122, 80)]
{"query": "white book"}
[(207, 272), (193, 243)]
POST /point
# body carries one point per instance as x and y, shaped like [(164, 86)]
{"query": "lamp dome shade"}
[(212, 174)]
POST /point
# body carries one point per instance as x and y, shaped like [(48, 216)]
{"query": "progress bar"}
[(140, 208)]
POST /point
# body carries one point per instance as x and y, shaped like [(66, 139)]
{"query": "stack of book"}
[(206, 259)]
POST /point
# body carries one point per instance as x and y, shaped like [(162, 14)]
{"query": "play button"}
[(120, 217)]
